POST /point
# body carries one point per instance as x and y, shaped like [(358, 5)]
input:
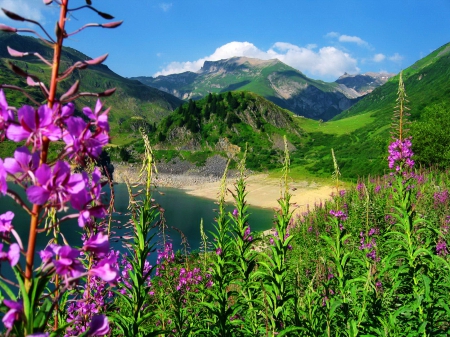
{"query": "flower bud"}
[(111, 24), (7, 29)]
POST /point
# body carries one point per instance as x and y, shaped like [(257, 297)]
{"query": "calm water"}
[(182, 211)]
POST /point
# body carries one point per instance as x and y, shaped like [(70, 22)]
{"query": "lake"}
[(182, 211)]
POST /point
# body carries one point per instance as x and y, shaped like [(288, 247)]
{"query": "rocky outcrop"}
[(176, 173)]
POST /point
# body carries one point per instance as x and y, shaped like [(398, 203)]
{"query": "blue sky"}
[(321, 38)]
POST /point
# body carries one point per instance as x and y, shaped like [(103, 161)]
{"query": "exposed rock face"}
[(183, 139), (364, 83), (224, 145), (274, 80)]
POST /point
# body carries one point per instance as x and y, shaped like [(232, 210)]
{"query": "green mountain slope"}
[(361, 134), (132, 105), (272, 79), (426, 82), (226, 124)]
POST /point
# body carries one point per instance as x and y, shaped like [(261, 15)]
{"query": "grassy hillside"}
[(225, 124), (426, 83), (133, 105)]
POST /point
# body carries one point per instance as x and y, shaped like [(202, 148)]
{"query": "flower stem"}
[(34, 222)]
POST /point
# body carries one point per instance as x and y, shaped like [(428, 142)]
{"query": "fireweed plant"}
[(131, 312), (380, 262), (277, 295), (31, 303)]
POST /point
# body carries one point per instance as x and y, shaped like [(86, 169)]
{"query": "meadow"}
[(372, 261)]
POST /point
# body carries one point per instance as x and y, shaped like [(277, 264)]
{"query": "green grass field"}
[(339, 127)]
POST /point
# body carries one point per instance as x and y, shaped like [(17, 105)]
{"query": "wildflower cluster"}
[(52, 187), (368, 243), (400, 154)]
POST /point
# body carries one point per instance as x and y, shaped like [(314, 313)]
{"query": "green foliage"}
[(239, 118), (431, 136)]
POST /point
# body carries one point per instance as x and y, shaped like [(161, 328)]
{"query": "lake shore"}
[(263, 191)]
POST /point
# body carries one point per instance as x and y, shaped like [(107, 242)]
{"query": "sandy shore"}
[(264, 192)]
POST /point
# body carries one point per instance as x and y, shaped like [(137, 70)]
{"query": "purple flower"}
[(6, 222), (98, 244), (247, 236), (372, 255), (81, 142), (14, 313), (99, 326), (219, 251), (54, 187), (340, 215), (400, 154), (47, 254), (68, 263), (22, 163), (87, 202), (379, 285), (13, 254), (3, 174), (105, 270), (441, 248), (34, 125), (165, 255), (6, 115), (440, 198), (100, 119)]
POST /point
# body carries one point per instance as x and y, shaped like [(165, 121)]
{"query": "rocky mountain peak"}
[(234, 64)]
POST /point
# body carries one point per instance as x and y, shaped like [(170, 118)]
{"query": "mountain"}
[(359, 136), (426, 82), (272, 79), (226, 124), (133, 105), (364, 83)]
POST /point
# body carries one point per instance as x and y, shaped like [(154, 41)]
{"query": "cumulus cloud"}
[(379, 57), (165, 6), (30, 9), (326, 62), (396, 58)]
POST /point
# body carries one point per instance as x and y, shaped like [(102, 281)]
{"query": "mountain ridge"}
[(272, 79)]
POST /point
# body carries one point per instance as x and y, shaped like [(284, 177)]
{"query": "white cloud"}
[(165, 6), (379, 57), (326, 62), (29, 9), (347, 39), (333, 35), (396, 58), (353, 39)]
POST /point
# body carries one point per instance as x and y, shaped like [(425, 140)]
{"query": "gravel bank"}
[(177, 173)]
